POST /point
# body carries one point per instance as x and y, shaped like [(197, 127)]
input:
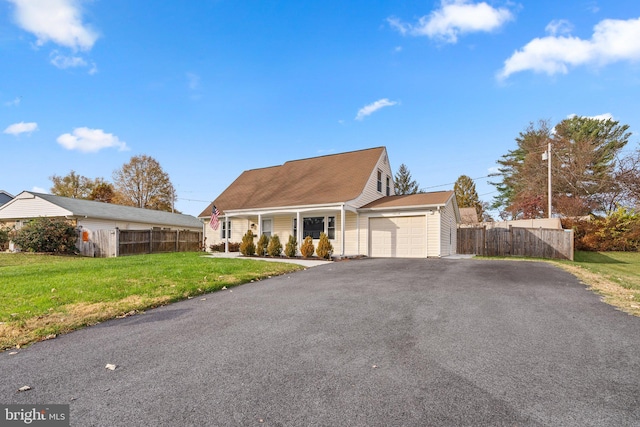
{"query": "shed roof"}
[(93, 209), (333, 178)]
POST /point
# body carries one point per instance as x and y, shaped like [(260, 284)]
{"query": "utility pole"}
[(547, 156)]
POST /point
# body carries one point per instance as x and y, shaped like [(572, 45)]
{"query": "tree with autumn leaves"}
[(140, 183), (586, 169)]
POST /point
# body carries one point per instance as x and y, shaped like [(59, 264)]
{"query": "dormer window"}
[(380, 181)]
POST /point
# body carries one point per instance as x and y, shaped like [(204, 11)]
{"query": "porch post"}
[(358, 232), (259, 225), (298, 229), (225, 227), (342, 228)]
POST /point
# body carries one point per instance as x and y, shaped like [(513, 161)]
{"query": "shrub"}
[(275, 247), (618, 231), (46, 235), (219, 247), (324, 249), (4, 237), (263, 243), (247, 247), (307, 247), (291, 248)]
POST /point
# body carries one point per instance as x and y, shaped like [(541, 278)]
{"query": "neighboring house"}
[(547, 223), (348, 196), (91, 216), (5, 197), (469, 217)]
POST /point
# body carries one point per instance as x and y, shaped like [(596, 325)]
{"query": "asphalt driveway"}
[(356, 343)]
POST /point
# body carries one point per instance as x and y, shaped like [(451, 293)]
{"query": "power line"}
[(452, 183)]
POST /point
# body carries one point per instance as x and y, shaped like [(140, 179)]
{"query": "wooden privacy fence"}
[(113, 243), (513, 241)]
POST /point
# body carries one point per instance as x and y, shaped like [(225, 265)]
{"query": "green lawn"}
[(615, 275), (42, 295)]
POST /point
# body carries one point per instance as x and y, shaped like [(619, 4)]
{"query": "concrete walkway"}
[(299, 261)]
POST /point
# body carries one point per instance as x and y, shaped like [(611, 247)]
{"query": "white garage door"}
[(402, 237)]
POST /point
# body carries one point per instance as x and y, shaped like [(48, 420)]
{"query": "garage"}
[(401, 236)]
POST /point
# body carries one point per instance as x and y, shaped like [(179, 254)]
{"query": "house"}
[(5, 197), (469, 217), (91, 217), (349, 196)]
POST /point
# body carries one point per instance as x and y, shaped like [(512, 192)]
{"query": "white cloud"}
[(604, 117), (13, 103), (90, 140), (64, 61), (559, 26), (193, 81), (39, 190), (367, 110), (613, 40), (22, 127), (455, 17), (59, 21)]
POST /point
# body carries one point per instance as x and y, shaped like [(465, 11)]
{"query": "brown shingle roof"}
[(327, 179), (407, 200)]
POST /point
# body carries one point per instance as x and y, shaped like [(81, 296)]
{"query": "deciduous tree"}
[(72, 185), (144, 184), (103, 192)]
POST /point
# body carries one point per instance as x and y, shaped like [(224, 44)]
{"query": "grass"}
[(614, 275), (42, 296)]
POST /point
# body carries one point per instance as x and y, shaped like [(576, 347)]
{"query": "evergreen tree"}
[(403, 183), (467, 196)]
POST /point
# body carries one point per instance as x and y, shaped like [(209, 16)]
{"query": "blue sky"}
[(211, 88)]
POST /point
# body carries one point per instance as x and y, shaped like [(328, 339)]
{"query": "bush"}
[(46, 235), (219, 247), (247, 247), (4, 237), (263, 243), (291, 248), (324, 250), (275, 247), (618, 231), (307, 247)]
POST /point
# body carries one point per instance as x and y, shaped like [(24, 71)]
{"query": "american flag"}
[(214, 223)]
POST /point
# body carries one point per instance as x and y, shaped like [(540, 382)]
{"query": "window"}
[(266, 227), (380, 181), (295, 228), (388, 186), (226, 229), (312, 227), (331, 227)]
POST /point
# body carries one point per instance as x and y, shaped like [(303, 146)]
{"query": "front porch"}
[(338, 222)]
